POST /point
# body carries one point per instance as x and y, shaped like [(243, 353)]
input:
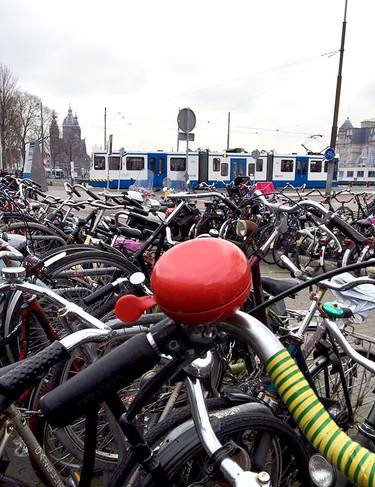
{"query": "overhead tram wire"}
[(250, 76)]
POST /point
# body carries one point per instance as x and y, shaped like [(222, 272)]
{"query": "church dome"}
[(69, 119)]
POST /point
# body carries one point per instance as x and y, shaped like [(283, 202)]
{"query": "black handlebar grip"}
[(99, 293), (347, 229), (138, 217), (76, 192), (28, 372), (231, 205), (92, 194), (116, 200), (112, 372), (140, 211), (136, 203), (36, 184), (40, 193), (132, 201)]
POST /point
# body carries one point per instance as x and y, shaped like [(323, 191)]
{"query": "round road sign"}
[(330, 154), (186, 120)]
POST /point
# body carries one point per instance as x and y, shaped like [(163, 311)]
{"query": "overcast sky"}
[(264, 61)]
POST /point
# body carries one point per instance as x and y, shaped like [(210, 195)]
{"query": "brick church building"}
[(69, 147)]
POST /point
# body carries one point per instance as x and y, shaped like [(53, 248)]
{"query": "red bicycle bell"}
[(197, 282), (201, 281)]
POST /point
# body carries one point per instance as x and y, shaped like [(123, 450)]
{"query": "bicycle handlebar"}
[(290, 209), (211, 194), (112, 372)]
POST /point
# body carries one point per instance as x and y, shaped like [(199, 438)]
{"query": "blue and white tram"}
[(355, 175), (151, 169)]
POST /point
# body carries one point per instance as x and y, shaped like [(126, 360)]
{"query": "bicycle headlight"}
[(322, 473)]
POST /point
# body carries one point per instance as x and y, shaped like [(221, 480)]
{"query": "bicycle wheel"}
[(65, 446), (265, 444), (345, 213), (40, 238), (260, 237), (283, 245), (90, 270), (30, 327), (360, 384), (311, 257), (209, 222)]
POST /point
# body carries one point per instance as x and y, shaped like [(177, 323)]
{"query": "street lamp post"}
[(331, 164)]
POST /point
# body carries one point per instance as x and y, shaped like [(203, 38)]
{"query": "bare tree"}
[(28, 107), (8, 114), (31, 119), (21, 120)]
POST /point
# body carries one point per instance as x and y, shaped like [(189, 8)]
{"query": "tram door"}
[(302, 166), (237, 168), (203, 166), (157, 166)]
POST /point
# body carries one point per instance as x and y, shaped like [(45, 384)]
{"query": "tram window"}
[(325, 166), (135, 163), (286, 165), (161, 165), (360, 174), (224, 169), (371, 174), (216, 166), (99, 162), (259, 165), (251, 169), (315, 166), (152, 164), (350, 174), (178, 163), (114, 163)]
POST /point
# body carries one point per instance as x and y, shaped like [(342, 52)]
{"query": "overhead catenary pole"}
[(331, 164), (178, 134), (42, 130), (1, 152), (1, 143), (187, 144), (105, 128), (228, 132)]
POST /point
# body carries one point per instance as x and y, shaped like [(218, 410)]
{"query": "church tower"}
[(70, 147)]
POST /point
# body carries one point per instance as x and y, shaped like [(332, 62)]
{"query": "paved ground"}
[(20, 467)]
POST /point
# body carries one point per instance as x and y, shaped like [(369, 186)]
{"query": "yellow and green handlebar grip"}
[(354, 461)]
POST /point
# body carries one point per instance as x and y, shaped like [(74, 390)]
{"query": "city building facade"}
[(356, 145)]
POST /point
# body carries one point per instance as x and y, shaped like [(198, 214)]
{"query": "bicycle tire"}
[(184, 448), (71, 269), (209, 222), (360, 383), (37, 229)]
